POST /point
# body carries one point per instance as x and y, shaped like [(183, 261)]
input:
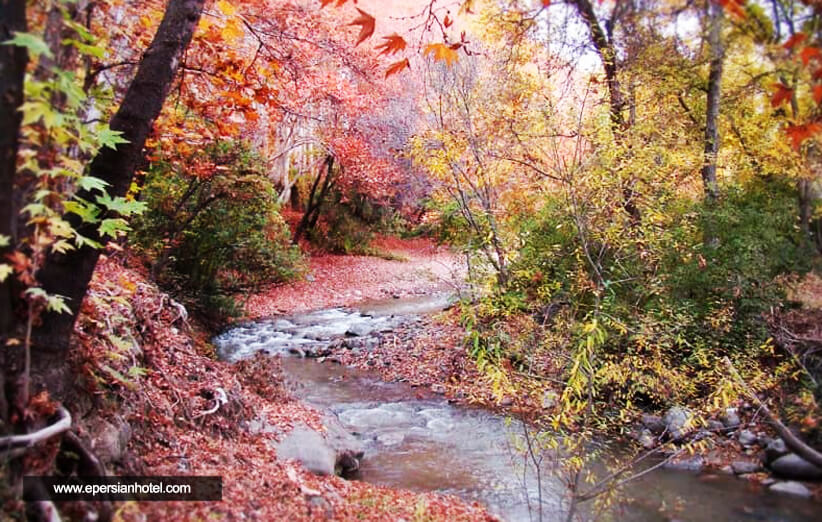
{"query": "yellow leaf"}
[(232, 30), (442, 52), (226, 8)]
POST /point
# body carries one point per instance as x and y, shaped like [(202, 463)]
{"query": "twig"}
[(219, 400)]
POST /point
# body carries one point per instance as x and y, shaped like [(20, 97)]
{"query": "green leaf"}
[(110, 138), (86, 49), (32, 42), (121, 205), (82, 241), (113, 226), (5, 272), (90, 183), (57, 304), (88, 212), (4, 241)]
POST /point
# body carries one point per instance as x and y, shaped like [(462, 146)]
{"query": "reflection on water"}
[(417, 440)]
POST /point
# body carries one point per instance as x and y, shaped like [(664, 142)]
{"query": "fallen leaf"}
[(366, 23)]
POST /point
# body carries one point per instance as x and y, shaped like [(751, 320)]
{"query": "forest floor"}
[(407, 268)]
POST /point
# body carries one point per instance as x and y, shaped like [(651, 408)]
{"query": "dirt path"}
[(420, 268)]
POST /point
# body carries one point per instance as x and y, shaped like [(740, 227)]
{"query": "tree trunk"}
[(13, 62), (69, 274), (616, 99), (607, 54), (312, 211), (713, 99)]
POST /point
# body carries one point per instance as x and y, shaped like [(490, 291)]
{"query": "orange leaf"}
[(393, 44), (791, 42), (817, 94), (447, 21), (340, 3), (783, 93), (546, 3), (441, 52), (810, 52), (366, 23), (733, 7), (394, 68), (799, 133)]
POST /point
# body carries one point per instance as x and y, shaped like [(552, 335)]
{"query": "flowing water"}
[(417, 440)]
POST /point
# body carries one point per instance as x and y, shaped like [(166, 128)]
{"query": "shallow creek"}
[(417, 440)]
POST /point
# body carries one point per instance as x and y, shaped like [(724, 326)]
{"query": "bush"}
[(212, 236), (672, 302)]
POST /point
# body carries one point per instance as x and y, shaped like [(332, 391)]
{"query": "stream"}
[(417, 440)]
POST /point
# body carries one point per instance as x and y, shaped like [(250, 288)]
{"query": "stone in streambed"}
[(791, 488), (696, 463), (741, 467), (747, 438), (310, 449), (795, 467), (678, 422), (654, 423), (775, 449)]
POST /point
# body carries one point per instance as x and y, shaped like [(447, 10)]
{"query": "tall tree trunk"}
[(713, 99), (616, 99), (13, 62), (69, 274)]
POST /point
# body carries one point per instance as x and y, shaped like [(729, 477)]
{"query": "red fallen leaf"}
[(791, 42), (799, 133), (396, 67), (393, 44), (783, 93), (366, 23), (810, 52), (817, 94)]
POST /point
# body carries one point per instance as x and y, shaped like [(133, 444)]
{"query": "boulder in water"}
[(795, 467)]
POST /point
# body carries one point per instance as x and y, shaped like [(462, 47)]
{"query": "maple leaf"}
[(546, 3), (366, 23), (817, 75), (809, 53), (440, 51), (799, 133), (340, 3), (794, 40), (817, 94), (783, 93), (393, 44), (396, 67), (447, 22)]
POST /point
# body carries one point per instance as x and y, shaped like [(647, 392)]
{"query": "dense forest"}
[(412, 260)]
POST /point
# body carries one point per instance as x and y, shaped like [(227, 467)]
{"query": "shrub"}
[(212, 236)]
